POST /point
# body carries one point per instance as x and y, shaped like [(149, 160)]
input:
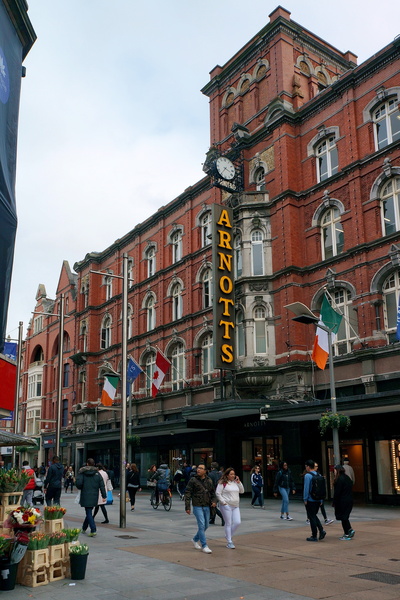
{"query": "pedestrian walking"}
[(101, 503), (90, 483), (257, 484), (311, 503), (52, 482), (348, 469), (215, 476), (69, 479), (132, 484), (228, 490), (200, 492), (26, 499), (284, 483), (322, 505), (343, 501)]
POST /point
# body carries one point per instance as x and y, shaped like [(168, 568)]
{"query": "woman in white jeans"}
[(228, 490)]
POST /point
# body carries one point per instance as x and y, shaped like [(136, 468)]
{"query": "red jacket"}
[(32, 482)]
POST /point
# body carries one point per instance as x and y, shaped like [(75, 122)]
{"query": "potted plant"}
[(78, 555), (54, 512), (12, 481), (71, 537), (330, 420)]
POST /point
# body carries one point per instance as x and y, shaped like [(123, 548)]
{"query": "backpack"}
[(318, 487), (163, 482)]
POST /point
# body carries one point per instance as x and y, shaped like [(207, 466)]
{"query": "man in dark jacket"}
[(200, 490), (90, 482), (52, 483)]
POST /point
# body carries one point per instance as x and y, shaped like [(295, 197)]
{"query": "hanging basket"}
[(330, 420)]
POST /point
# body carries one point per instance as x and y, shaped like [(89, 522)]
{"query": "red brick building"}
[(312, 143)]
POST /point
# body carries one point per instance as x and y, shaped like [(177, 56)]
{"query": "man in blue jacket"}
[(312, 505)]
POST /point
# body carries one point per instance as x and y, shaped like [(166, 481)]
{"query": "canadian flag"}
[(161, 369)]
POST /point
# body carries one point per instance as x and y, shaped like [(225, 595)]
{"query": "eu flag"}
[(132, 372), (398, 320)]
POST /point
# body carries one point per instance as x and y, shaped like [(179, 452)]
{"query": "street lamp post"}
[(306, 316)]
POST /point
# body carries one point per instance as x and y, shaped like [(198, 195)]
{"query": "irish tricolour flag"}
[(330, 319), (109, 389)]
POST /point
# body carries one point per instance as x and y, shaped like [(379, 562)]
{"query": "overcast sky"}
[(112, 122)]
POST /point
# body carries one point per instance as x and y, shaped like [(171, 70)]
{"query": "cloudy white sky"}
[(112, 122)]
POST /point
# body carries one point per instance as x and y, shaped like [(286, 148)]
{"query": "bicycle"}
[(165, 498)]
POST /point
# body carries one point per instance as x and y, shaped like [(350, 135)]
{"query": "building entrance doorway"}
[(353, 450), (264, 452)]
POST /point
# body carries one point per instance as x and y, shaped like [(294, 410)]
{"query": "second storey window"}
[(34, 386), (37, 324), (206, 230), (260, 333), (257, 252), (151, 314), (387, 123), (178, 367), (391, 291), (207, 288), (151, 261), (332, 233), (177, 305), (238, 255), (176, 241), (390, 197), (108, 286), (327, 158), (105, 340), (207, 357)]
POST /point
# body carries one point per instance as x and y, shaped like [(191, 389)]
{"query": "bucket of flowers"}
[(12, 481), (38, 541), (54, 512), (71, 538), (6, 542), (78, 555), (23, 519), (56, 546)]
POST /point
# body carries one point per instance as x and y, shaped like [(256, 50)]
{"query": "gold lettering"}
[(227, 353), (225, 261), (224, 219), (226, 301), (226, 324), (226, 284), (224, 239)]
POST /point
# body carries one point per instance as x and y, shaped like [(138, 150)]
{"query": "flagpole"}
[(122, 504), (16, 394), (60, 374)]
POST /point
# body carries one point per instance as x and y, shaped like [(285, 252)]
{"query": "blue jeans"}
[(202, 514), (285, 500), (89, 520)]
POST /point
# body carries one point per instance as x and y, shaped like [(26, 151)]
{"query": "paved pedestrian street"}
[(154, 558)]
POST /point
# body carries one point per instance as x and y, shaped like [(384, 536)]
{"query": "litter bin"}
[(8, 575), (78, 565)]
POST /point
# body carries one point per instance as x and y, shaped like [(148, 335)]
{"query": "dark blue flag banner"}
[(10, 86), (10, 350), (132, 372), (398, 320)]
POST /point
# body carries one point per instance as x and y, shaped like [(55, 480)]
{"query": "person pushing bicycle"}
[(162, 477)]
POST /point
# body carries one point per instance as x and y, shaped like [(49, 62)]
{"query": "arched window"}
[(259, 178), (151, 313), (176, 242), (105, 333), (348, 329), (257, 252), (178, 366), (327, 158), (151, 261), (108, 287), (387, 123), (260, 332), (149, 367), (207, 288), (207, 357), (206, 229), (84, 334), (177, 304), (332, 235), (390, 206), (391, 291), (240, 338), (237, 244)]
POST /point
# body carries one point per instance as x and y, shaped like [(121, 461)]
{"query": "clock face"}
[(225, 168)]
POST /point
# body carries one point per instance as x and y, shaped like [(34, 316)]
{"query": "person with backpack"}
[(285, 484), (313, 492)]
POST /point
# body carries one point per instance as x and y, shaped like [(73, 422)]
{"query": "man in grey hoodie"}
[(52, 483)]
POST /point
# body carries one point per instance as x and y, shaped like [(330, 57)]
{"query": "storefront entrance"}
[(264, 452)]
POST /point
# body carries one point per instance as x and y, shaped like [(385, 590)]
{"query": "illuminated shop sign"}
[(223, 288)]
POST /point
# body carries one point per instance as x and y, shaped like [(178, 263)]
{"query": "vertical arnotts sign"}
[(223, 287)]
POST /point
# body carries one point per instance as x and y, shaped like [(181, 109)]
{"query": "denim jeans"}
[(202, 514), (285, 500), (89, 520)]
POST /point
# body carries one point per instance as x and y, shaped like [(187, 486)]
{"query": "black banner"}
[(10, 86)]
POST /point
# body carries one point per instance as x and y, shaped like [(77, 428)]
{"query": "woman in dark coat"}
[(90, 483), (132, 483), (343, 501)]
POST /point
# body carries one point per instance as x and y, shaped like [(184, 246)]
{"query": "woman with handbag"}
[(102, 501), (132, 483)]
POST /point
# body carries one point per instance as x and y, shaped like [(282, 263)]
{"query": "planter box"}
[(57, 570), (9, 502), (31, 577), (53, 525), (56, 553), (34, 559)]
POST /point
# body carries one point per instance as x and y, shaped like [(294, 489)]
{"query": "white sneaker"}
[(328, 521), (207, 550), (196, 545), (289, 518)]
